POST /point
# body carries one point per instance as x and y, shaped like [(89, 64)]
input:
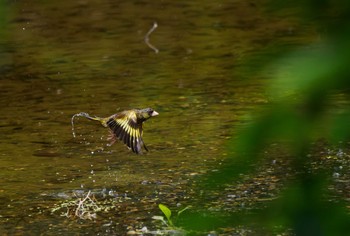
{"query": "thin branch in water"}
[(155, 25)]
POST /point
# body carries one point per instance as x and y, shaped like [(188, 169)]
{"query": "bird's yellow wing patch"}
[(126, 128)]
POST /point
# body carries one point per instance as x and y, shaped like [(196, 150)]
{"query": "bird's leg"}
[(112, 138)]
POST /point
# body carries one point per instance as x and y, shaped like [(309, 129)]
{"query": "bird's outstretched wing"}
[(125, 127)]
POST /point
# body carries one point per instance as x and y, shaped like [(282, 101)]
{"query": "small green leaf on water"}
[(166, 211)]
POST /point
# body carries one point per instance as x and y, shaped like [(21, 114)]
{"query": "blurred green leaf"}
[(303, 86)]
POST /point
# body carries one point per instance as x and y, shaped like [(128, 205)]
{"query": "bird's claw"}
[(112, 138)]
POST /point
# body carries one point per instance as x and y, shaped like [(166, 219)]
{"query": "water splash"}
[(83, 114)]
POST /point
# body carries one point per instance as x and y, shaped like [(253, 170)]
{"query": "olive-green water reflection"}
[(58, 59)]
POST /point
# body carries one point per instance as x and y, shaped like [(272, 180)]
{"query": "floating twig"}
[(155, 25)]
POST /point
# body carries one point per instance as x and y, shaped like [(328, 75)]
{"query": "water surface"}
[(58, 59)]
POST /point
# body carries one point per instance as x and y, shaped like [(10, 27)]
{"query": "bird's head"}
[(147, 113)]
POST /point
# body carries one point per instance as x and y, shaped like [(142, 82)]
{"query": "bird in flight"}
[(125, 126)]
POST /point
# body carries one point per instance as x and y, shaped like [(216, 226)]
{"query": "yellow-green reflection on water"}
[(62, 58)]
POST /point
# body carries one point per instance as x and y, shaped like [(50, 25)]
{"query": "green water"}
[(58, 59)]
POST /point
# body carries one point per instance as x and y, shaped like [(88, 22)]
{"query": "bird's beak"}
[(154, 113)]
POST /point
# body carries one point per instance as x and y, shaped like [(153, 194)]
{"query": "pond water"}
[(58, 59)]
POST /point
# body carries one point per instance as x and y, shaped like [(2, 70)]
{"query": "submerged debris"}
[(84, 207)]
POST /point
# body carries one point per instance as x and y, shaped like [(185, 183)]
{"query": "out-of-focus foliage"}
[(304, 85)]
